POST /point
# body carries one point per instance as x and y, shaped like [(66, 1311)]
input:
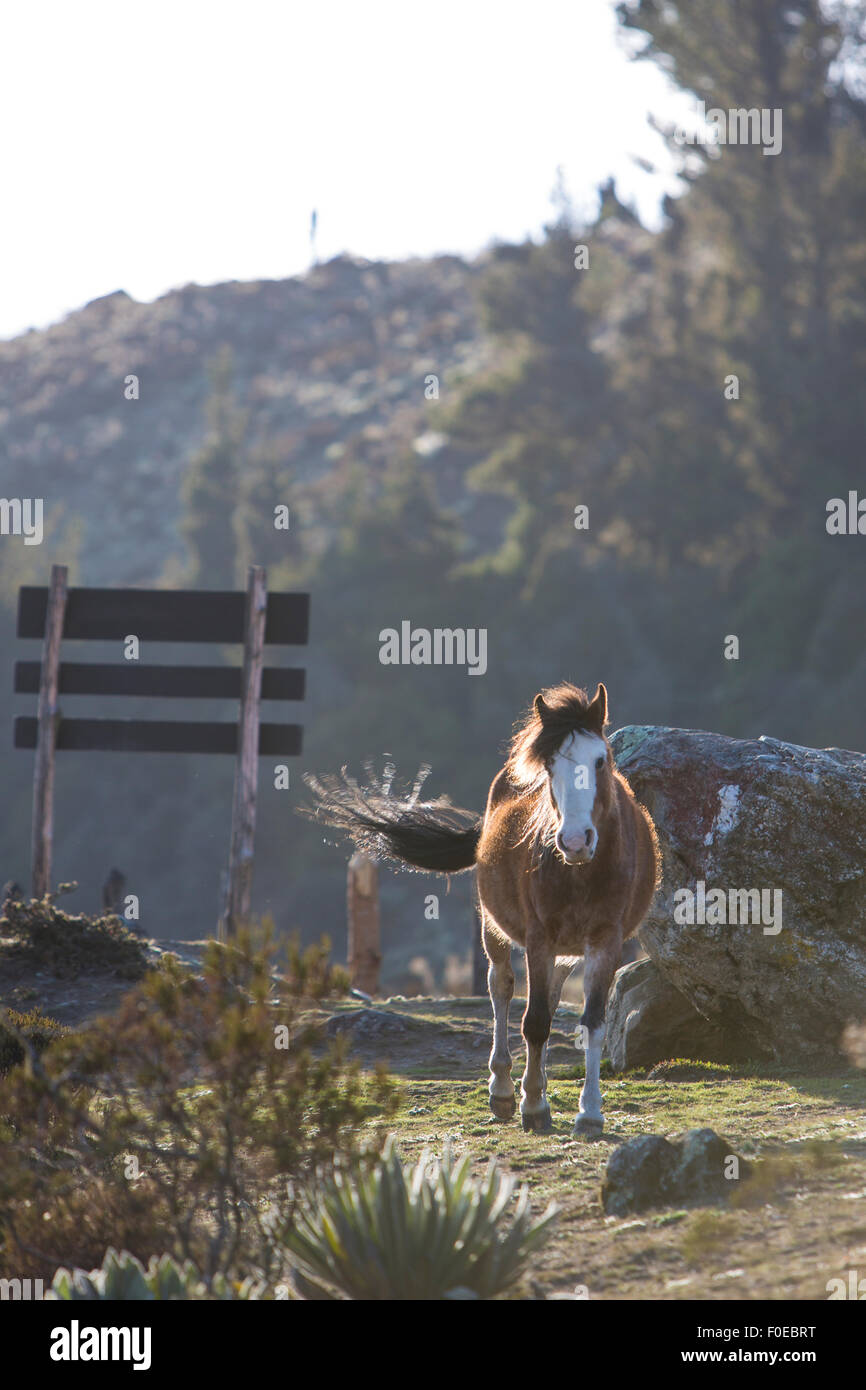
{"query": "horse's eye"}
[(599, 762)]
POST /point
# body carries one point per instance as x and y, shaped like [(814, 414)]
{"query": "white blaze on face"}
[(573, 776)]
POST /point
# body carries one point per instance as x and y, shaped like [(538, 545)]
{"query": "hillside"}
[(318, 360)]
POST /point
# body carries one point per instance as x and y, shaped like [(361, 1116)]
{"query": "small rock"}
[(702, 1157), (636, 1174), (651, 1171), (367, 1025)]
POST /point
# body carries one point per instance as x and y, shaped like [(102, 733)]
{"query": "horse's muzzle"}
[(576, 856)]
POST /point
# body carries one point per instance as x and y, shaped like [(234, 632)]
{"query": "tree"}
[(211, 486)]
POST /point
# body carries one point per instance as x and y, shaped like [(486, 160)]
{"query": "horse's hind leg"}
[(599, 967), (558, 976), (560, 973), (500, 983)]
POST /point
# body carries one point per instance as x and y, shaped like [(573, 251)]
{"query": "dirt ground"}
[(74, 1001), (784, 1232)]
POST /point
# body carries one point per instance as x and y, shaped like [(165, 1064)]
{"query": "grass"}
[(799, 1221), (706, 1236)]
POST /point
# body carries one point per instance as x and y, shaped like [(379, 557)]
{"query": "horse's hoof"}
[(588, 1127), (503, 1107), (538, 1121)]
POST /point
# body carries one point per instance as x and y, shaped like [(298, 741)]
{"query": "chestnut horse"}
[(567, 863)]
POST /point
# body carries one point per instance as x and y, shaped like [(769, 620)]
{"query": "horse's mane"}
[(535, 740)]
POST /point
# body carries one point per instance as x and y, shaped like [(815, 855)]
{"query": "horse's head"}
[(580, 790), (562, 743)]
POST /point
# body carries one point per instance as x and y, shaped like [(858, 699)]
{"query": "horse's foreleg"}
[(534, 1109), (600, 964), (500, 984)]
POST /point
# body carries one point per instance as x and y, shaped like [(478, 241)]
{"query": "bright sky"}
[(147, 146)]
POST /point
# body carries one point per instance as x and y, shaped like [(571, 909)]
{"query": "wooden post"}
[(247, 766), (47, 720), (365, 949)]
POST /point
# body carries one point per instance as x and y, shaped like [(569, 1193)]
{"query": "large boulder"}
[(648, 1021), (760, 918)]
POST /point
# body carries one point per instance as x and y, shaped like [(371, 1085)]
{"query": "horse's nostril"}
[(590, 836)]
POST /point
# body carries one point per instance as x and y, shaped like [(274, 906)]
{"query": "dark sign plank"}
[(175, 682), (159, 736), (164, 615)]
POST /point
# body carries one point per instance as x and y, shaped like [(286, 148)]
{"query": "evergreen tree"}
[(542, 427), (760, 273), (211, 486)]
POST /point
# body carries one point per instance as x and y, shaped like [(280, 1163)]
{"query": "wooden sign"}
[(256, 619)]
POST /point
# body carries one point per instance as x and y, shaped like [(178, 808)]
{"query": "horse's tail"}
[(428, 835)]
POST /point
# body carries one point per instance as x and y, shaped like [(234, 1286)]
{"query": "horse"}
[(567, 864)]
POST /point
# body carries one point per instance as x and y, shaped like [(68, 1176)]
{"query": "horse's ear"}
[(541, 709), (597, 711)]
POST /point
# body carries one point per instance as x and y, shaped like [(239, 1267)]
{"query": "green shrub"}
[(123, 1278), (38, 1030), (169, 1126), (389, 1232), (48, 939)]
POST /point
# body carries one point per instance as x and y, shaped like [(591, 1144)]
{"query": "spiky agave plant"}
[(122, 1277), (392, 1232)]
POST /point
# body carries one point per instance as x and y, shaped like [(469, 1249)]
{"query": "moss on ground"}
[(38, 935)]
